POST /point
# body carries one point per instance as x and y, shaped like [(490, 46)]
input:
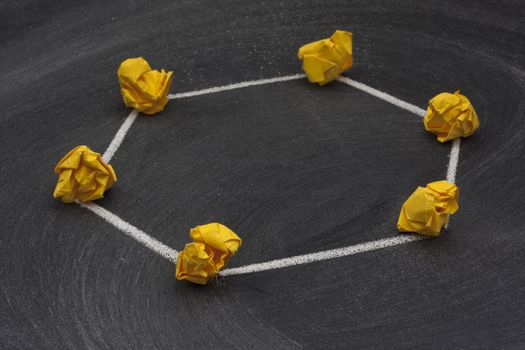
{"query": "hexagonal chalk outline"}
[(171, 254)]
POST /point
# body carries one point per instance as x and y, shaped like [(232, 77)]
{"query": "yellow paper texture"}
[(143, 88), (426, 211), (201, 260), (325, 60), (195, 263), (450, 116), (83, 175)]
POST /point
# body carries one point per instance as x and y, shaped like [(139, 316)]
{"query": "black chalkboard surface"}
[(293, 168)]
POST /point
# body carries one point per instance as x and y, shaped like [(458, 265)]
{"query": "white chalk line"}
[(119, 136), (240, 85), (383, 96), (171, 254), (320, 256), (452, 168), (133, 232)]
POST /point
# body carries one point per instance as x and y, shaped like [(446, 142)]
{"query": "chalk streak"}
[(119, 136), (453, 161), (133, 232), (320, 256), (453, 166), (236, 86), (383, 96)]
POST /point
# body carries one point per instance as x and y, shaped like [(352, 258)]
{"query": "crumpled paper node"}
[(450, 116), (325, 60), (201, 260), (142, 88), (427, 210), (83, 175)]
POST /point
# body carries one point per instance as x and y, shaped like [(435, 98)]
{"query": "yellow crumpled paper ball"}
[(195, 263), (325, 60), (426, 211), (83, 175), (450, 116), (201, 260), (142, 88)]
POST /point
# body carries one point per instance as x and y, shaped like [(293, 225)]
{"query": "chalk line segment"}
[(321, 256), (235, 86), (132, 231), (383, 96), (452, 168), (119, 136)]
